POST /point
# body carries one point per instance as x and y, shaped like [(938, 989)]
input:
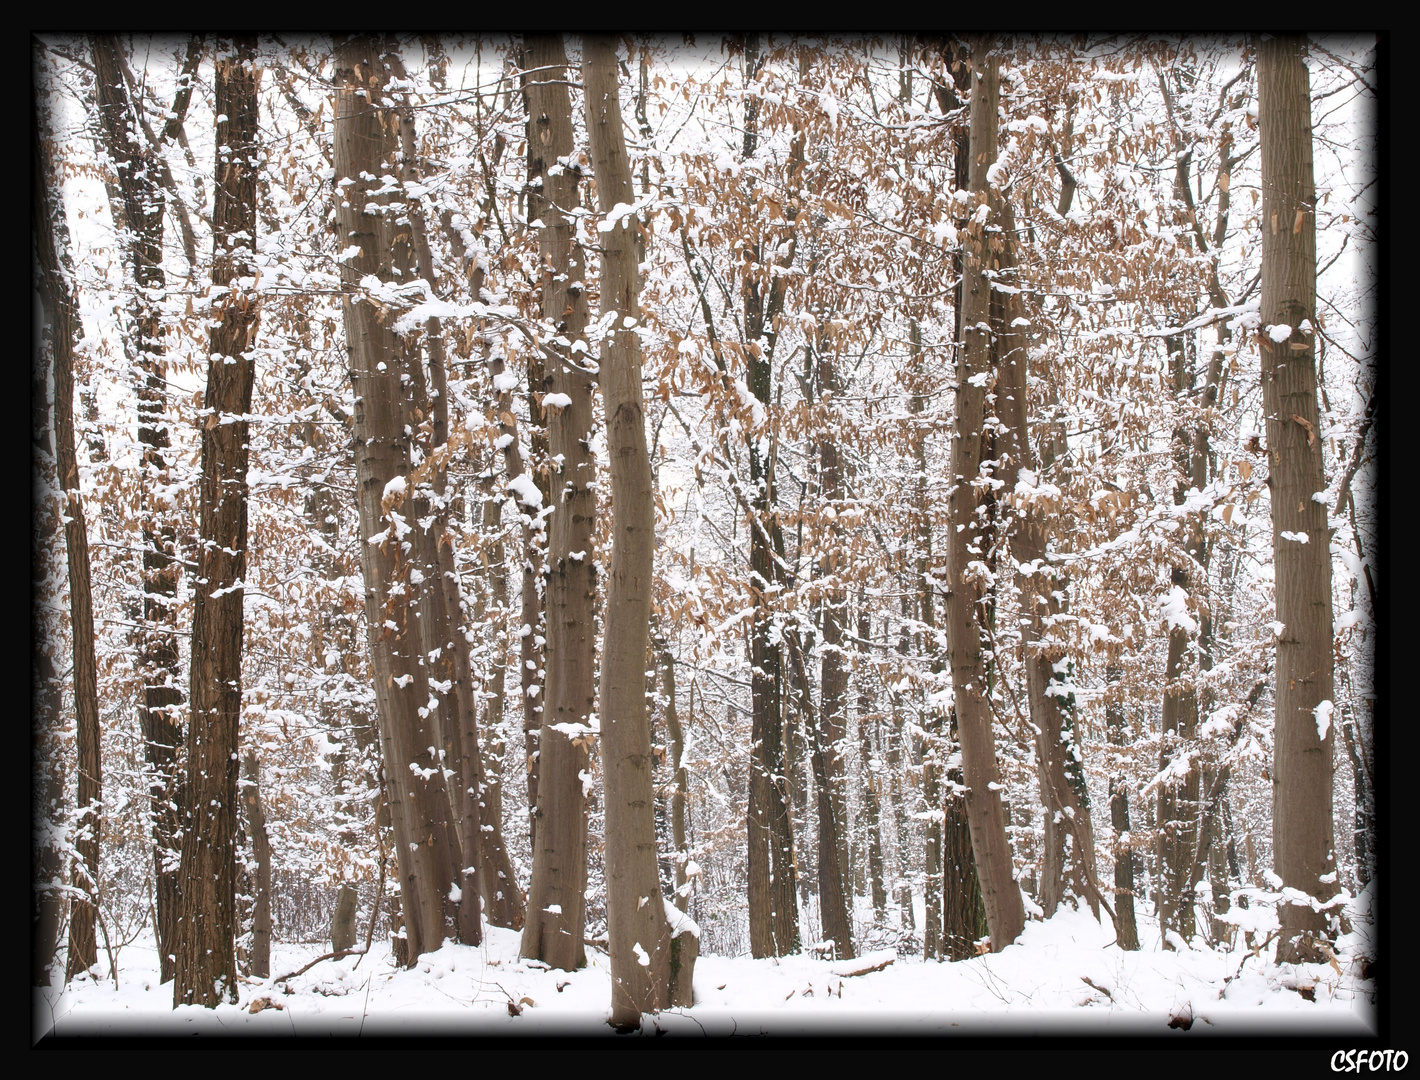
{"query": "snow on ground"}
[(1064, 975)]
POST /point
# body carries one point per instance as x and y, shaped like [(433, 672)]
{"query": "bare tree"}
[(61, 315), (556, 896), (648, 967), (1005, 915), (1302, 827), (207, 922)]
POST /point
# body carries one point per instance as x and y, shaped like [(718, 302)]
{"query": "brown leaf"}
[(1297, 224), (1311, 430)]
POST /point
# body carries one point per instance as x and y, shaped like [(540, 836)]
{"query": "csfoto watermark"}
[(1374, 1060)]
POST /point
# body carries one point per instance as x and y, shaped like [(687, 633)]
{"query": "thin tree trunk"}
[(141, 208), (206, 935), (642, 965), (51, 241), (47, 766), (872, 777), (773, 872), (1005, 915), (426, 845), (261, 848), (680, 792), (1302, 828), (556, 896), (1126, 930)]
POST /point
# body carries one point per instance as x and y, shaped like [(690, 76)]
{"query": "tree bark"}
[(773, 871), (872, 772), (1126, 929), (426, 845), (51, 245), (261, 849), (556, 896), (141, 208), (680, 791), (638, 933), (207, 921), (1302, 828), (1005, 915)]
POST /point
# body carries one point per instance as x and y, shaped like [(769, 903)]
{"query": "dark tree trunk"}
[(141, 206), (206, 935), (1125, 928), (1302, 828), (872, 777), (51, 245)]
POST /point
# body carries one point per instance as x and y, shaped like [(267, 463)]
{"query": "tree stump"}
[(342, 923)]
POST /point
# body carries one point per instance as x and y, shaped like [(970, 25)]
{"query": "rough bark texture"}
[(207, 922), (1302, 840), (141, 205), (639, 936), (426, 845), (556, 895), (1005, 915), (51, 240)]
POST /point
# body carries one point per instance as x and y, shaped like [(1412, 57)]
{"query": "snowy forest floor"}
[(1063, 976)]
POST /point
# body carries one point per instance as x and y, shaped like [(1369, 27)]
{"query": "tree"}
[(1302, 828), (207, 921), (51, 246), (141, 212), (646, 965), (556, 895), (1005, 915), (381, 370)]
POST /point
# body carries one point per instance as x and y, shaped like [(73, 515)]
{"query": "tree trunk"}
[(426, 846), (1126, 930), (1005, 915), (141, 208), (556, 896), (639, 936), (872, 776), (261, 848), (680, 791), (1302, 840), (773, 873), (51, 240), (206, 937)]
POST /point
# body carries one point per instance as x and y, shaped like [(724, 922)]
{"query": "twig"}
[(328, 956)]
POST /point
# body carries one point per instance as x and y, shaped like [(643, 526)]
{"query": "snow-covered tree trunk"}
[(61, 314), (381, 368), (1005, 915), (556, 896)]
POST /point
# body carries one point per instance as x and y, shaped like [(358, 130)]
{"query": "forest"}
[(637, 514)]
